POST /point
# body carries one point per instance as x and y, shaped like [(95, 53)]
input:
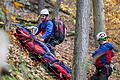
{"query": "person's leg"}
[(105, 72), (51, 45), (99, 74), (95, 76), (51, 48), (108, 70)]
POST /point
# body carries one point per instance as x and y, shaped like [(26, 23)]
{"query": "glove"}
[(42, 40)]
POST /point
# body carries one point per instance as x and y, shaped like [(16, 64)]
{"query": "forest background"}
[(28, 11)]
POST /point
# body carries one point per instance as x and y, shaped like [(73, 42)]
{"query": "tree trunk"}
[(57, 7), (8, 6), (99, 19), (81, 40), (41, 5)]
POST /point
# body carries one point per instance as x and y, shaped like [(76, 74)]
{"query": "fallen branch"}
[(20, 19), (70, 33)]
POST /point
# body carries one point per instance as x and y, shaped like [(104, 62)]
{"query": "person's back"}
[(102, 57), (103, 54)]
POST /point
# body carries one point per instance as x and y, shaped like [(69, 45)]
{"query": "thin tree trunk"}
[(99, 19), (81, 40), (7, 5), (41, 4), (57, 7)]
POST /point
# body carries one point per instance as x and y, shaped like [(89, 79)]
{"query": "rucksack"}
[(59, 30)]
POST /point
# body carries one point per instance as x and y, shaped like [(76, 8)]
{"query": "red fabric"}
[(98, 62), (61, 26), (43, 31), (60, 69), (38, 49), (109, 55)]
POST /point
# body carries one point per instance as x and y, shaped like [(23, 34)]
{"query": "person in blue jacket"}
[(102, 57), (45, 26)]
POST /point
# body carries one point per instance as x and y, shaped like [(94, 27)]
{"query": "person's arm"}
[(49, 29), (113, 48), (97, 54)]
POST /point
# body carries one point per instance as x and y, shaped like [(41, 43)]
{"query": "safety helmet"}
[(101, 36), (44, 12)]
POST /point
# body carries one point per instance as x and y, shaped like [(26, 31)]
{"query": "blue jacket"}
[(103, 54), (46, 28)]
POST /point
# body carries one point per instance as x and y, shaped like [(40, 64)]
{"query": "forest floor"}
[(23, 68)]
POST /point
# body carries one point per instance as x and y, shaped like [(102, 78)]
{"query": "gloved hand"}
[(33, 29), (42, 40), (33, 37)]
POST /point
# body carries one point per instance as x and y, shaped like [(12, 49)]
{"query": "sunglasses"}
[(42, 16)]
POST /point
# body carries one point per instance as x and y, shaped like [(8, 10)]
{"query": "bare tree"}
[(57, 7), (99, 19), (81, 40), (7, 9), (41, 4)]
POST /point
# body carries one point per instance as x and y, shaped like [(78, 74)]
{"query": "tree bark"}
[(57, 7), (41, 5), (8, 6), (64, 11), (81, 40), (99, 19), (51, 6)]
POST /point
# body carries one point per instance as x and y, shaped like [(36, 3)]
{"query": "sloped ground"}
[(22, 68), (25, 69)]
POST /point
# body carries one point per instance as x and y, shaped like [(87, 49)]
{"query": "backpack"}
[(59, 30)]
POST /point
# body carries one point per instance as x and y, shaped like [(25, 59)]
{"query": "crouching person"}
[(102, 57)]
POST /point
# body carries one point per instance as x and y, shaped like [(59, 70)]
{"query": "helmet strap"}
[(102, 42)]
